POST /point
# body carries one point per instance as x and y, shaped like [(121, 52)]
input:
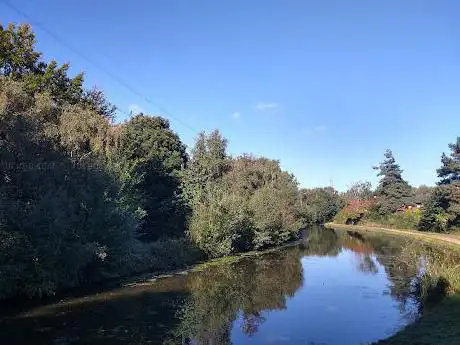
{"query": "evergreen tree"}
[(393, 191), (450, 168), (442, 211)]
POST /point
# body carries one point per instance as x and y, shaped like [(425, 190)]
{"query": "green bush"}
[(405, 220), (408, 219), (220, 224), (347, 216)]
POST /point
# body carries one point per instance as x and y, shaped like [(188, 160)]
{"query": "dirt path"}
[(430, 236)]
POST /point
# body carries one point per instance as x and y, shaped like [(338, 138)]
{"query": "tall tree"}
[(148, 158), (450, 168), (393, 191), (52, 203), (359, 191), (442, 211), (208, 162), (20, 61)]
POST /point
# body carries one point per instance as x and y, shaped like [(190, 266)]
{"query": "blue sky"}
[(323, 86)]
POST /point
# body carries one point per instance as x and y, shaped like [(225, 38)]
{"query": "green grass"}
[(439, 326)]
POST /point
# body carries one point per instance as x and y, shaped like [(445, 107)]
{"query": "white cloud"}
[(236, 115), (316, 129), (135, 109), (264, 106)]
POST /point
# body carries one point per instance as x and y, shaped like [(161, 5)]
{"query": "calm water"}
[(336, 287)]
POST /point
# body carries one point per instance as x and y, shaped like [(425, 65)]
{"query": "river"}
[(334, 287)]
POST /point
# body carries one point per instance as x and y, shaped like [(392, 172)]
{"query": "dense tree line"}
[(83, 198)]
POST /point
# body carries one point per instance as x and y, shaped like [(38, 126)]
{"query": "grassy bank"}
[(438, 325)]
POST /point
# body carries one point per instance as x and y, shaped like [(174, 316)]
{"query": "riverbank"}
[(439, 325)]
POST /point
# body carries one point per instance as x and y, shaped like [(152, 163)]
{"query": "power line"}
[(96, 64)]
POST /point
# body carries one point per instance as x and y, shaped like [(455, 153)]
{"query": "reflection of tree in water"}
[(367, 265), (247, 288), (388, 251), (400, 269), (320, 241)]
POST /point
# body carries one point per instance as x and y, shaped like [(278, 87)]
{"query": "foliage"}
[(354, 211), (422, 194), (319, 205), (163, 255), (20, 61), (207, 164), (393, 191), (359, 191), (408, 219), (436, 289), (221, 224), (450, 168), (72, 181), (148, 158), (55, 200), (442, 211), (240, 204)]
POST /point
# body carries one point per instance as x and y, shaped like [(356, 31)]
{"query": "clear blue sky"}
[(323, 86)]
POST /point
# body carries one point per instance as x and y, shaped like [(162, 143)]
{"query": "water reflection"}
[(359, 286), (247, 288)]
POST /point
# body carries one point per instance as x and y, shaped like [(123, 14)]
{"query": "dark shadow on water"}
[(199, 305)]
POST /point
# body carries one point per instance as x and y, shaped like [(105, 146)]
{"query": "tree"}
[(319, 205), (442, 210), (148, 158), (422, 194), (450, 168), (221, 222), (359, 191), (207, 164), (393, 191), (53, 204), (17, 54), (20, 61), (238, 204), (271, 196)]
